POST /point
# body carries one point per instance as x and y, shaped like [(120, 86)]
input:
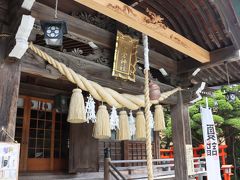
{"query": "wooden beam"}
[(218, 57), (101, 74), (46, 92), (227, 54), (152, 27), (33, 64), (88, 32)]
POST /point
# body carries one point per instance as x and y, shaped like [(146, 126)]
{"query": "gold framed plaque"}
[(125, 57)]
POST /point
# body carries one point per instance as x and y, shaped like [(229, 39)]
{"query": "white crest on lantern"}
[(151, 120), (114, 119), (90, 109), (132, 126)]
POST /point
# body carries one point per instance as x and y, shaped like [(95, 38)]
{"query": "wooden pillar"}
[(9, 67), (83, 149), (125, 145), (181, 136), (186, 121), (107, 159), (156, 145), (9, 87)]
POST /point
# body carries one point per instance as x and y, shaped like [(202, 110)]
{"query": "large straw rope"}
[(111, 97)]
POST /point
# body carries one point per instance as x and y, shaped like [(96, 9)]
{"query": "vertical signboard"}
[(189, 156), (9, 160), (210, 144)]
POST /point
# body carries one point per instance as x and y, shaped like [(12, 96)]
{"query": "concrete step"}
[(61, 176)]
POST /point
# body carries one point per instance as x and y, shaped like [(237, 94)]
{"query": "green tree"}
[(226, 116)]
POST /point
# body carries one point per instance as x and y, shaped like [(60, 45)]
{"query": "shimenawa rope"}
[(103, 94)]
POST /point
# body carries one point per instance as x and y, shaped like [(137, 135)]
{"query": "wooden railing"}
[(199, 152), (127, 150), (163, 168)]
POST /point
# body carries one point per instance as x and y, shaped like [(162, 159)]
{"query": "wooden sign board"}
[(125, 57), (9, 160)]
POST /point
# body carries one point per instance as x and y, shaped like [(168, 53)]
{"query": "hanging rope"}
[(56, 9), (103, 94), (147, 108)]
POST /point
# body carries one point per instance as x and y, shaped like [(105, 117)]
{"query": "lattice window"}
[(40, 129)]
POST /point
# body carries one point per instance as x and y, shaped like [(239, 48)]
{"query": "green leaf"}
[(195, 125), (236, 104), (218, 95), (234, 122), (197, 117), (193, 110), (218, 119), (224, 106)]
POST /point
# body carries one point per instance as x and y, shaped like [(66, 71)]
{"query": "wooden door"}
[(40, 134), (39, 129)]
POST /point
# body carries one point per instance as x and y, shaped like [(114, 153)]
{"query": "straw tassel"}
[(101, 128), (77, 112), (159, 122), (124, 131), (140, 126)]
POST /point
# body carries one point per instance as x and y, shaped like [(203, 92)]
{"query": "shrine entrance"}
[(43, 133)]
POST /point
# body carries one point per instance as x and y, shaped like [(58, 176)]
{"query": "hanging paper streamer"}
[(151, 120), (90, 109), (114, 119), (132, 127)]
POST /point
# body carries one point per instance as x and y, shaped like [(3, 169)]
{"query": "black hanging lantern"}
[(61, 103), (53, 32), (230, 96)]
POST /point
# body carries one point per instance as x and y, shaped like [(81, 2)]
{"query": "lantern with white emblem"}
[(53, 32)]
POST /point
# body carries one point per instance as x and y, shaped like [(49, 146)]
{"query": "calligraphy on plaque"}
[(125, 57)]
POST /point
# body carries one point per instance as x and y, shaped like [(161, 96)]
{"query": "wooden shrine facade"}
[(47, 141)]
